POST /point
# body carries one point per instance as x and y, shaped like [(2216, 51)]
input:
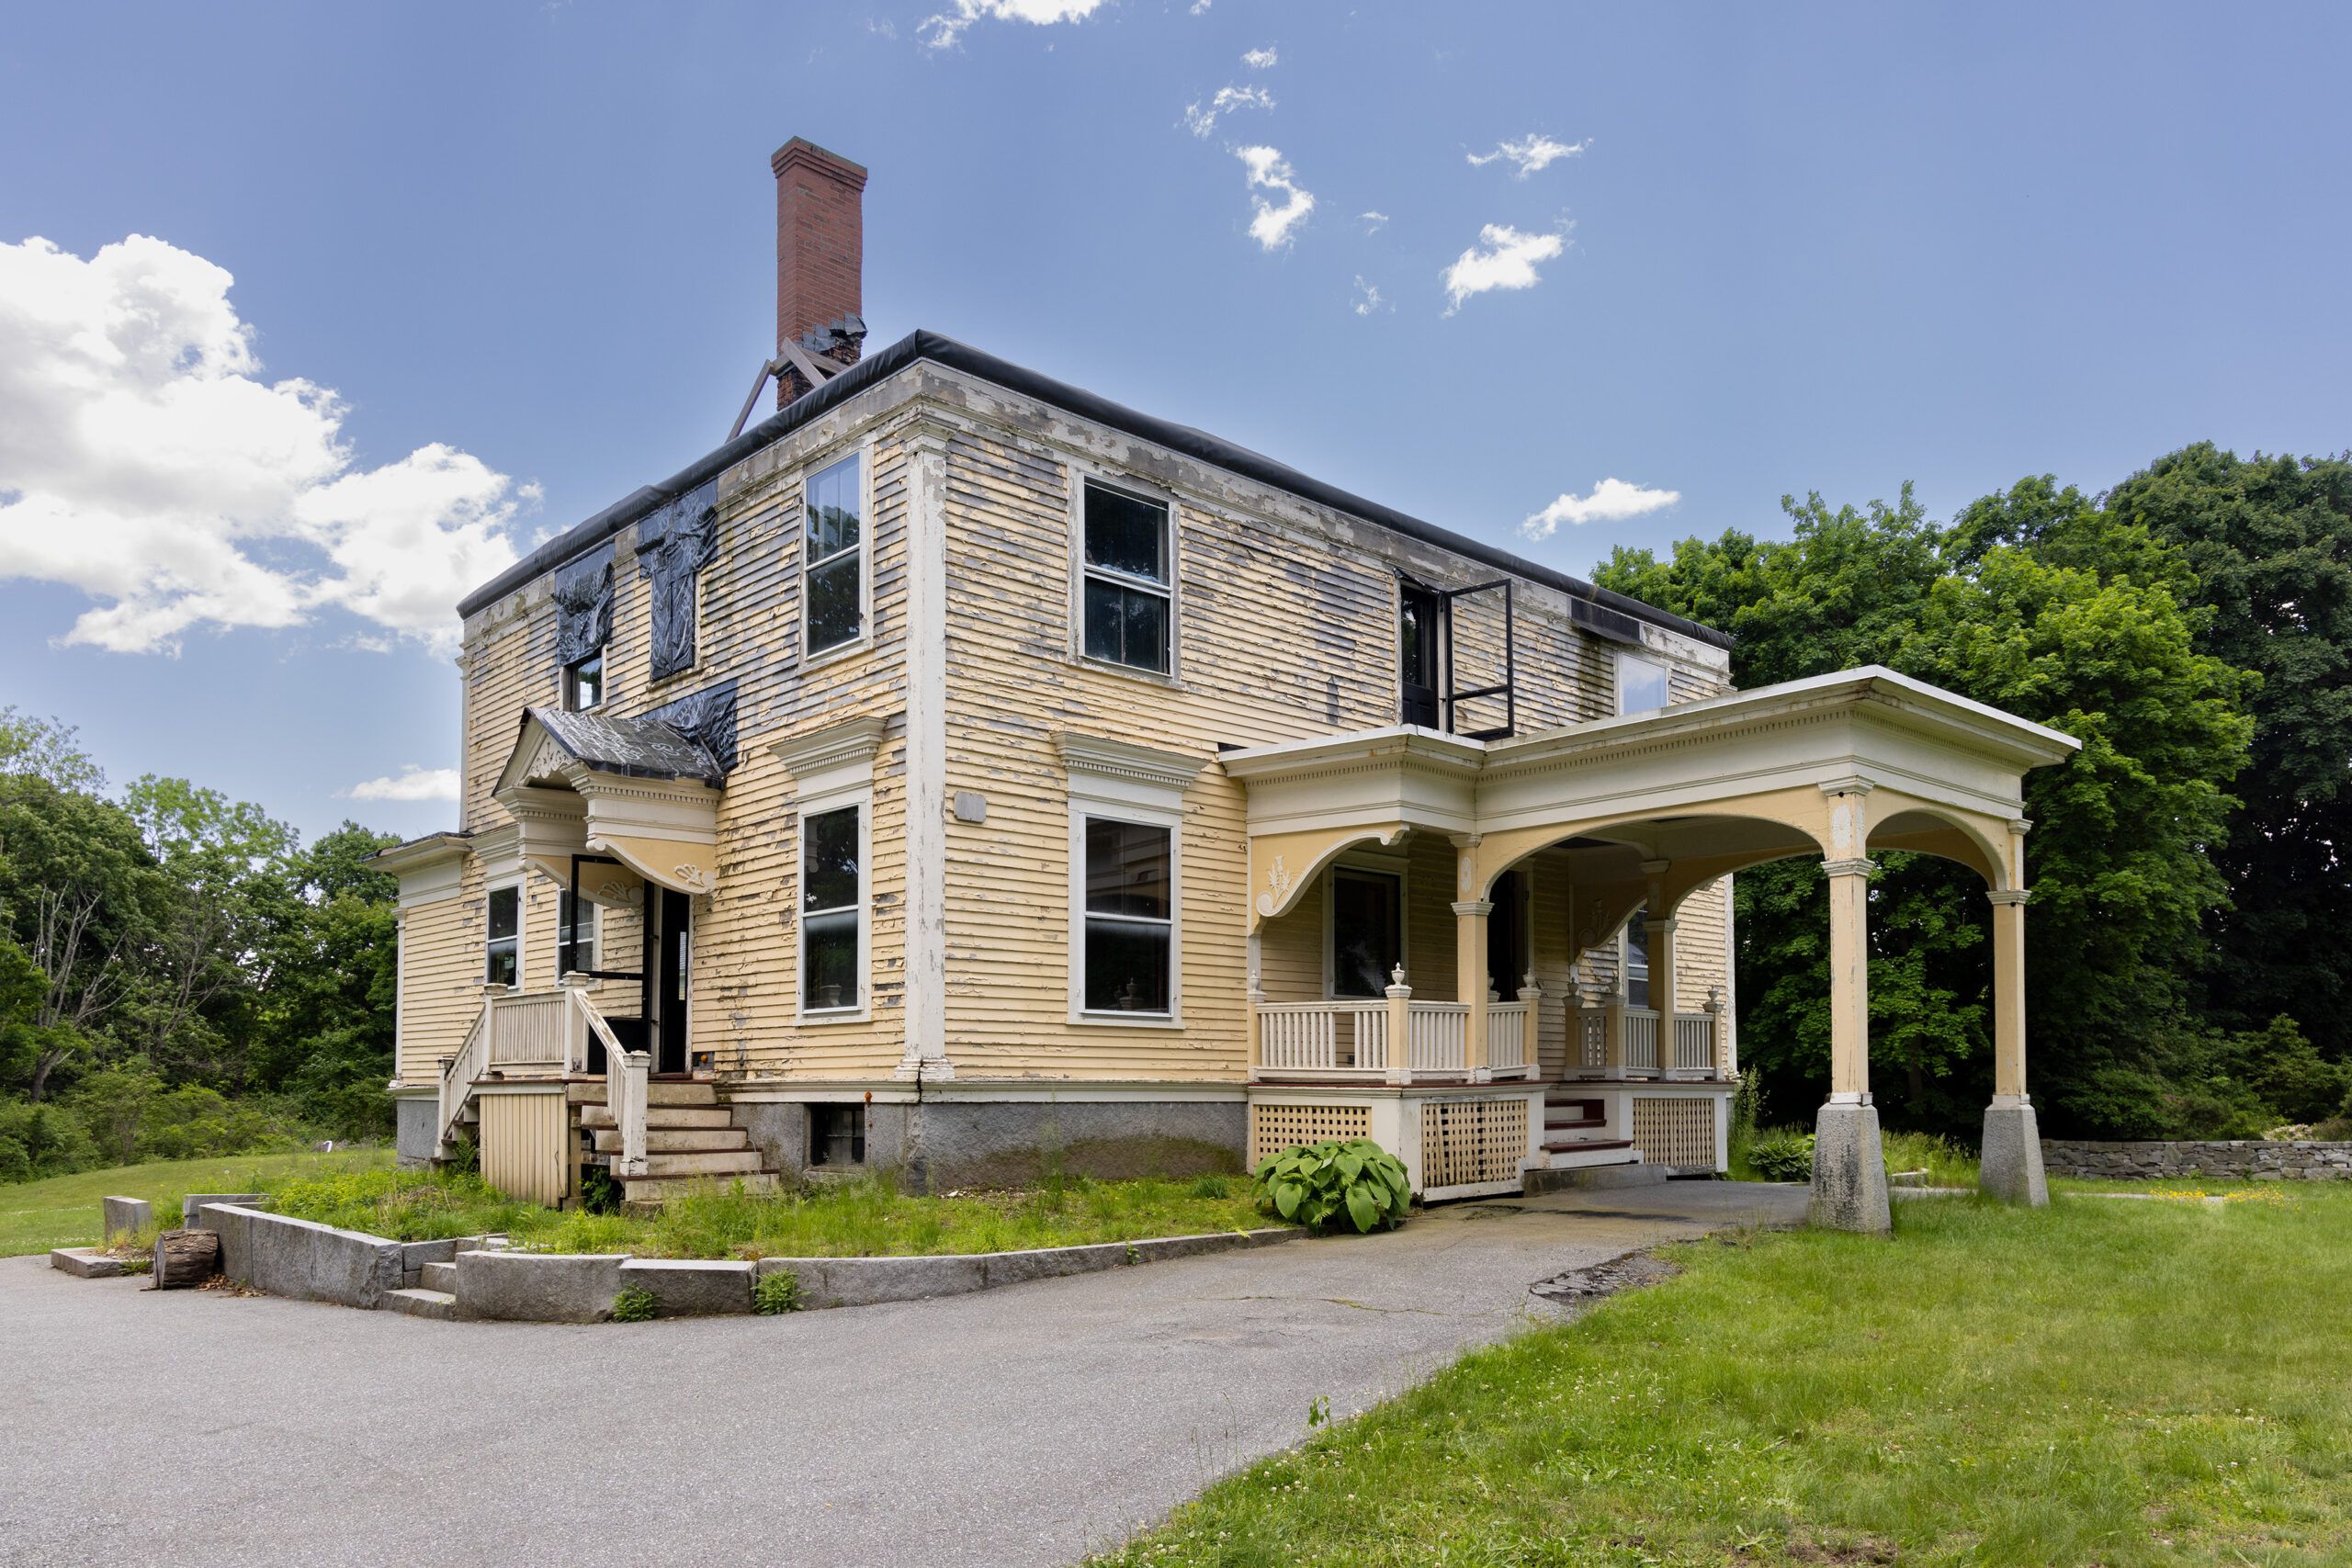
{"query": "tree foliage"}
[(2078, 616)]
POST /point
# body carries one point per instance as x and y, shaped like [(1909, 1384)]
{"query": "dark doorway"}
[(1367, 931), (1507, 958), (1417, 636), (669, 966)]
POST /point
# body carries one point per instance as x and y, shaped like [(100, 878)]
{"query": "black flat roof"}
[(1602, 607)]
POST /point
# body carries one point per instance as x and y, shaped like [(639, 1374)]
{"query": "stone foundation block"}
[(192, 1206), (691, 1287), (865, 1282), (125, 1215), (303, 1261), (2010, 1167), (529, 1287), (84, 1263), (1055, 1262), (1848, 1171)]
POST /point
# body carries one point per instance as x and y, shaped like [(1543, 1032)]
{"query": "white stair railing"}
[(627, 1079), (458, 1073)]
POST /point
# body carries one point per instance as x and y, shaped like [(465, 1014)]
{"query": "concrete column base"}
[(2010, 1169), (1848, 1171)]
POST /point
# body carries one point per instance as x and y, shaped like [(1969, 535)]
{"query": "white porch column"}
[(1658, 924), (1471, 982), (1848, 1160), (2011, 1164)]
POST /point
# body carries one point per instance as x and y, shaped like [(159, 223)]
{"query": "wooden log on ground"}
[(185, 1258)]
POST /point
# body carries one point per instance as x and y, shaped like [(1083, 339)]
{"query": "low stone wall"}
[(303, 1260), (2258, 1158)]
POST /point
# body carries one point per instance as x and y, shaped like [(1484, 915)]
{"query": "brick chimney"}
[(819, 253)]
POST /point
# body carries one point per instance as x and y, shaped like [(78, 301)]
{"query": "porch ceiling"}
[(1710, 785)]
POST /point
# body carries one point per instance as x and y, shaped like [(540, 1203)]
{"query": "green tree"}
[(325, 1027)]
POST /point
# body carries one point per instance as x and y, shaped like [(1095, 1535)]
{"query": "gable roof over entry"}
[(632, 789)]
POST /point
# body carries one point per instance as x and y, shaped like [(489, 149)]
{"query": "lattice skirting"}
[(1468, 1141), (1276, 1126), (1678, 1132)]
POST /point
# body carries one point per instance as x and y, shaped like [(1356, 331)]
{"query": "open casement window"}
[(1637, 962), (1641, 684), (832, 910), (503, 947), (1128, 948), (575, 933), (1367, 930), (583, 683), (1128, 598), (832, 556)]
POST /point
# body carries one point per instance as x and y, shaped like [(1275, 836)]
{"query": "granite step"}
[(421, 1302)]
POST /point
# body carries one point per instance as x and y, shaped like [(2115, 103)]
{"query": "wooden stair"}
[(691, 1140), (1573, 1128)]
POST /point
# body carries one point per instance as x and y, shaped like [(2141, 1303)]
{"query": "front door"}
[(669, 972), (1420, 612)]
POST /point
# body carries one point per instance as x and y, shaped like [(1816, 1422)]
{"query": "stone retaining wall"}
[(2258, 1158)]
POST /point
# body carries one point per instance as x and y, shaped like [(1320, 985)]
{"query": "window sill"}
[(821, 1016), (1131, 671), (837, 654), (1127, 1020)]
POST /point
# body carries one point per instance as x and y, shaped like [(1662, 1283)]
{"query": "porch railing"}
[(1350, 1038), (1693, 1042), (628, 1075), (527, 1032), (458, 1076)]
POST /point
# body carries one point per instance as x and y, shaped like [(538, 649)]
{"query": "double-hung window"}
[(503, 948), (1127, 589), (833, 558), (1637, 961), (1128, 949), (575, 933), (1641, 684), (832, 910)]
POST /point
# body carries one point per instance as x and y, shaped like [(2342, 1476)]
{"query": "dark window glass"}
[(575, 933), (583, 683), (835, 614), (1637, 962), (505, 947), (831, 564), (837, 1134), (1366, 933), (1125, 598), (1129, 924), (1126, 534), (830, 893), (1414, 651), (1507, 937)]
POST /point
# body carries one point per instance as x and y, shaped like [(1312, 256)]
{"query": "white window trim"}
[(1666, 682), (1123, 782), (569, 674), (864, 641), (840, 797), (522, 930), (1378, 862), (1078, 571)]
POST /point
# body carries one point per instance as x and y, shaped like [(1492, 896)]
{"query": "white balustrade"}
[(458, 1073), (1640, 1040), (1694, 1043), (1335, 1039), (627, 1078), (1507, 1032), (1438, 1037), (528, 1030)]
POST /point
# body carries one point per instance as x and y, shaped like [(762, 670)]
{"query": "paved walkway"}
[(1023, 1426)]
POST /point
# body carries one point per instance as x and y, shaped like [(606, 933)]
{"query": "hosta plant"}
[(1325, 1186)]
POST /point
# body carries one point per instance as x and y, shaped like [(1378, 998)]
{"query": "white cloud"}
[(1199, 7), (144, 462), (1374, 222), (412, 782), (1531, 154), (1508, 261), (1611, 500), (1275, 227), (1259, 59), (947, 29), (1202, 121), (1369, 299)]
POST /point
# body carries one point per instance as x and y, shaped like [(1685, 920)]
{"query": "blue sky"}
[(530, 249)]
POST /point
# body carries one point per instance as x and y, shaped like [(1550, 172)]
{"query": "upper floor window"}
[(832, 910), (503, 947), (1128, 945), (1419, 624), (832, 559), (583, 683), (1641, 684), (1128, 597)]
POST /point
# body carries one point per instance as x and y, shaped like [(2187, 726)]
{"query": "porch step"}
[(661, 1140), (1585, 1145), (656, 1190), (438, 1277), (732, 1162), (670, 1118), (421, 1302), (1566, 1123)]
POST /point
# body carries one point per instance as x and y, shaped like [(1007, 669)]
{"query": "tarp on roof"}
[(638, 747)]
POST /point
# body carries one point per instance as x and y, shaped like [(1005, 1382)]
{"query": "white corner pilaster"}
[(926, 633)]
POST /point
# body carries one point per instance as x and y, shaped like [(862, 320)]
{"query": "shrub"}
[(634, 1304), (776, 1293), (1320, 1184), (1781, 1154)]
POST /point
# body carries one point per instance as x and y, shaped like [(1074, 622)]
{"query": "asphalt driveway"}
[(1022, 1426)]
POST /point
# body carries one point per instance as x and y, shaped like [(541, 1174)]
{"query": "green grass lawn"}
[(856, 1219), (62, 1210), (2096, 1383)]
